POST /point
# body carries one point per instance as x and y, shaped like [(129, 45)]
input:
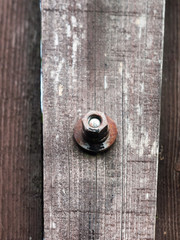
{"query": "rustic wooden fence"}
[(104, 55)]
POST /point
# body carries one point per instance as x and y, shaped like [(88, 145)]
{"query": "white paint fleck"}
[(56, 40), (58, 71), (141, 23), (141, 87), (139, 110), (64, 16), (147, 195), (105, 82), (154, 149), (74, 21), (120, 67), (57, 136), (53, 225), (74, 55), (142, 181), (68, 30), (132, 139), (60, 89), (83, 35), (129, 137)]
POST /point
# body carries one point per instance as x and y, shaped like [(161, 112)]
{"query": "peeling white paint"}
[(68, 30), (147, 196), (53, 225), (139, 110), (141, 87), (58, 71), (83, 35), (74, 55), (120, 67), (60, 90), (74, 21), (56, 40), (141, 23), (105, 82), (64, 16), (132, 139), (154, 149)]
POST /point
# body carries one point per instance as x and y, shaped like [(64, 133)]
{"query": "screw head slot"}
[(95, 132)]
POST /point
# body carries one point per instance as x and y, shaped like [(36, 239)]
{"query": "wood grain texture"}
[(168, 204), (106, 56), (20, 121)]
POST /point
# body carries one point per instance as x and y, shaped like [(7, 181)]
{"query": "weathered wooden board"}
[(106, 56), (168, 204), (20, 121)]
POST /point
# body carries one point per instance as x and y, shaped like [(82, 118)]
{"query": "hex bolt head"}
[(95, 132), (98, 133)]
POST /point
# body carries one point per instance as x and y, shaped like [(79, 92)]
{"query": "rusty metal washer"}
[(95, 132)]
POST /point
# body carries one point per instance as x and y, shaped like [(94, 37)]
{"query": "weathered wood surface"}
[(106, 56), (20, 121), (168, 204)]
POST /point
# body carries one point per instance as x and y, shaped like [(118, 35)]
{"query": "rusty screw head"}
[(95, 131)]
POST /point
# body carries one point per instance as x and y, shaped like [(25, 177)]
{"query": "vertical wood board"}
[(20, 121), (106, 56), (168, 200)]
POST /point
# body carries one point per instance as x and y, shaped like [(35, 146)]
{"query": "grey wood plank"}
[(106, 56)]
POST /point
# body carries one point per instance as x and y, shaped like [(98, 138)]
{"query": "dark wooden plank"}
[(168, 204), (20, 121), (106, 56)]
